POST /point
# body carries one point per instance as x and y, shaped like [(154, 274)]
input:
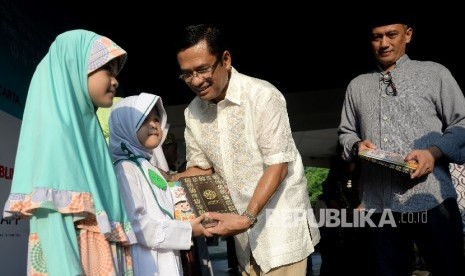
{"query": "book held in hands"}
[(207, 193), (388, 159)]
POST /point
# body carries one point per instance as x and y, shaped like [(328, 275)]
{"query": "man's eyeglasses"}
[(204, 73), (390, 87)]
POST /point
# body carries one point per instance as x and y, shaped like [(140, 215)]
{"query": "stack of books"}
[(388, 159)]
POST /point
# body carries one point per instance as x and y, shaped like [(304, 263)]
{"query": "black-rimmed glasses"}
[(390, 86), (204, 73)]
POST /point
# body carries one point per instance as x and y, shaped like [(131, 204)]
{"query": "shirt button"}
[(384, 117), (385, 139)]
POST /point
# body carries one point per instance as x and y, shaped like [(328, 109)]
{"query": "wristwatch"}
[(354, 150), (252, 218)]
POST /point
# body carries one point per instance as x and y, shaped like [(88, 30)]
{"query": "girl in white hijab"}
[(136, 128)]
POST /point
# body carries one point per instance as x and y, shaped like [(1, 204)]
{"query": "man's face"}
[(205, 74), (389, 43)]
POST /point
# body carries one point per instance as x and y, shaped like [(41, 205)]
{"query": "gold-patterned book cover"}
[(388, 159), (208, 193)]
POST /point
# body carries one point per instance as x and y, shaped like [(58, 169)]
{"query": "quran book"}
[(388, 159), (208, 193)]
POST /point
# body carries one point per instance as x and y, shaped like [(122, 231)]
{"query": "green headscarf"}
[(62, 162)]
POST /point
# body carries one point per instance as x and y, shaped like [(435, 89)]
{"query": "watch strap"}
[(252, 218)]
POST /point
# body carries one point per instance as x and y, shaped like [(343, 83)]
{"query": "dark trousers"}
[(437, 233), (346, 251)]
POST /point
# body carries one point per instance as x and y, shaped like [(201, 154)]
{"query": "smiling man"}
[(238, 127)]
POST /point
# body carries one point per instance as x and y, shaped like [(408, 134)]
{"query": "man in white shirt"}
[(238, 127)]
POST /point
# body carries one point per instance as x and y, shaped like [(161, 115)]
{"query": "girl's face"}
[(102, 84), (150, 132)]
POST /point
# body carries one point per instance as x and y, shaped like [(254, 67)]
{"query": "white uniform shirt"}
[(159, 237), (149, 208)]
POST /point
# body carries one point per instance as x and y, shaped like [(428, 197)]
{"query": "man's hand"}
[(191, 171), (366, 144), (197, 227), (425, 159), (228, 224)]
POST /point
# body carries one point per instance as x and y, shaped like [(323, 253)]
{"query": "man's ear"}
[(226, 59), (408, 34)]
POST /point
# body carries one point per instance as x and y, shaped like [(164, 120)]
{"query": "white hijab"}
[(125, 120)]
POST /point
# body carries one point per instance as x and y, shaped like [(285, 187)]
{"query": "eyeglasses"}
[(204, 73), (390, 87)]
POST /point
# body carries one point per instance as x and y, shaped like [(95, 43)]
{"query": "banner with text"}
[(21, 47)]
